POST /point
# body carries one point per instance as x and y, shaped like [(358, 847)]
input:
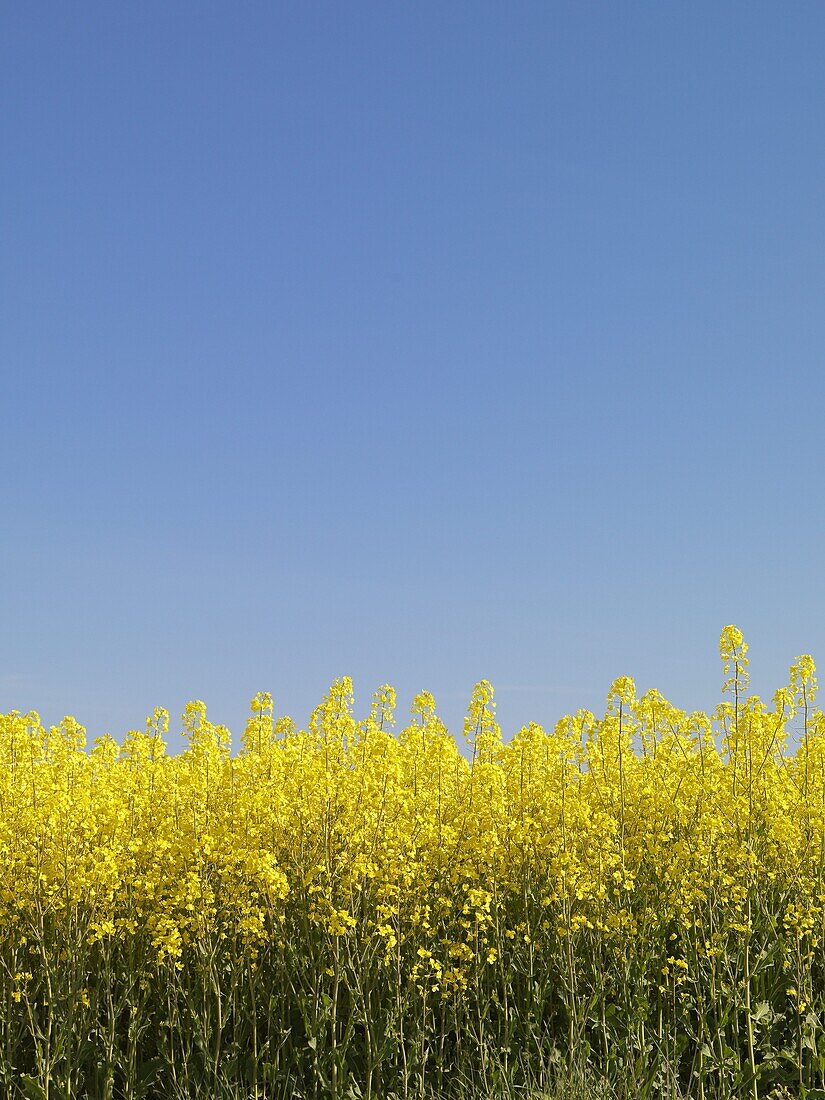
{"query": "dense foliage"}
[(346, 911)]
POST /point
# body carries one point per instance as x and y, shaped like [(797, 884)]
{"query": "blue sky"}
[(421, 343)]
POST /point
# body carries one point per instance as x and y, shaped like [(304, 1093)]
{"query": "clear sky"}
[(422, 343)]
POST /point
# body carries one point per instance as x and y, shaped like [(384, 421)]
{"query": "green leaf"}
[(32, 1089)]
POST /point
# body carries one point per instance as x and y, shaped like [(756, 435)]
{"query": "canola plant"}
[(347, 910)]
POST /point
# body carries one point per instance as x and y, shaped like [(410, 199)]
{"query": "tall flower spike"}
[(624, 688), (732, 650), (423, 705), (803, 678), (382, 710)]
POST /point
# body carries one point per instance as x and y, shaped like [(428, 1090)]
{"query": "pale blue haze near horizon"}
[(420, 343)]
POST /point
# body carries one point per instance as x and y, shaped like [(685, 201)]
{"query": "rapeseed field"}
[(356, 910)]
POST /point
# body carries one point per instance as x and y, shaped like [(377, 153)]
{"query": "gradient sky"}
[(415, 342)]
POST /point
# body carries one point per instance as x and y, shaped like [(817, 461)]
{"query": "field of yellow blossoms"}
[(357, 910)]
